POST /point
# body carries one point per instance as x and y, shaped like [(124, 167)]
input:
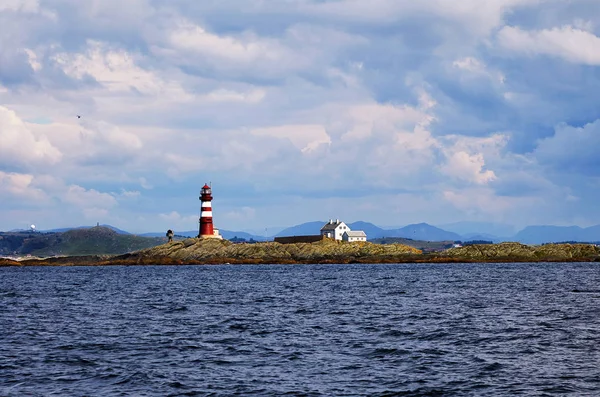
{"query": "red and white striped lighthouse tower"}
[(206, 221)]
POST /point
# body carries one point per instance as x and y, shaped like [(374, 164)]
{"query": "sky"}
[(388, 111)]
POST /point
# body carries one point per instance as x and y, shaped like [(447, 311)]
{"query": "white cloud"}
[(224, 95), (465, 157), (113, 136), (246, 49), (383, 142), (33, 60), (571, 148), (117, 71), (483, 203), (20, 5), (305, 137), (477, 16), (569, 43), (18, 145), (88, 198), (174, 220), (172, 216), (244, 53), (20, 186), (144, 183), (243, 214), (469, 63), (129, 193), (92, 142), (477, 67), (469, 167), (374, 118)]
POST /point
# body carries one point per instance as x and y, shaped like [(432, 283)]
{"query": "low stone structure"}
[(299, 239)]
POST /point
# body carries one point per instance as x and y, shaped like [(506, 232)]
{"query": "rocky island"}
[(212, 251)]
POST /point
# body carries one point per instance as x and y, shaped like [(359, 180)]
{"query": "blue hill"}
[(425, 232), (555, 234), (479, 228), (421, 231), (304, 229), (372, 230)]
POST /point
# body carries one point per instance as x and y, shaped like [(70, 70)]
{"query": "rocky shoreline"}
[(205, 252)]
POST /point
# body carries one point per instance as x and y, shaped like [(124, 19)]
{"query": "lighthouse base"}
[(213, 236)]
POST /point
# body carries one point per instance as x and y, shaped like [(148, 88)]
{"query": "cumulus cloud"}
[(130, 194), (478, 201), (172, 216), (478, 68), (462, 165), (478, 17), (105, 133), (571, 148), (175, 220), (20, 5), (54, 196), (19, 146), (193, 46), (19, 186), (225, 95), (305, 137), (566, 42), (116, 70), (92, 143), (85, 198), (243, 214), (245, 49), (465, 157)]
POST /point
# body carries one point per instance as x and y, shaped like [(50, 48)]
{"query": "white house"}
[(353, 236), (337, 229), (334, 229)]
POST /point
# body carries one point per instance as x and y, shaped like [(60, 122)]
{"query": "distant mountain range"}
[(540, 234), (225, 233), (421, 231), (461, 231)]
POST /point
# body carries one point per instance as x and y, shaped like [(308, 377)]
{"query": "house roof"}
[(356, 233), (331, 225)]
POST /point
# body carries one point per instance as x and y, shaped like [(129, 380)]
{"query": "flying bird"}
[(78, 116)]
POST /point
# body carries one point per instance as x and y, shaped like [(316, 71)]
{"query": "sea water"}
[(301, 330)]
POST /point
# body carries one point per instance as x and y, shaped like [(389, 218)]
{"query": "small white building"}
[(354, 236), (334, 229), (337, 229)]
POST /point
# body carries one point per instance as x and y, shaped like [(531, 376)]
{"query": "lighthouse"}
[(207, 229)]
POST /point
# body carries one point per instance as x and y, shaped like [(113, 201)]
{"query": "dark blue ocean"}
[(302, 330)]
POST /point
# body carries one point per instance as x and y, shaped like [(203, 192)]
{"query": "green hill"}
[(97, 240)]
